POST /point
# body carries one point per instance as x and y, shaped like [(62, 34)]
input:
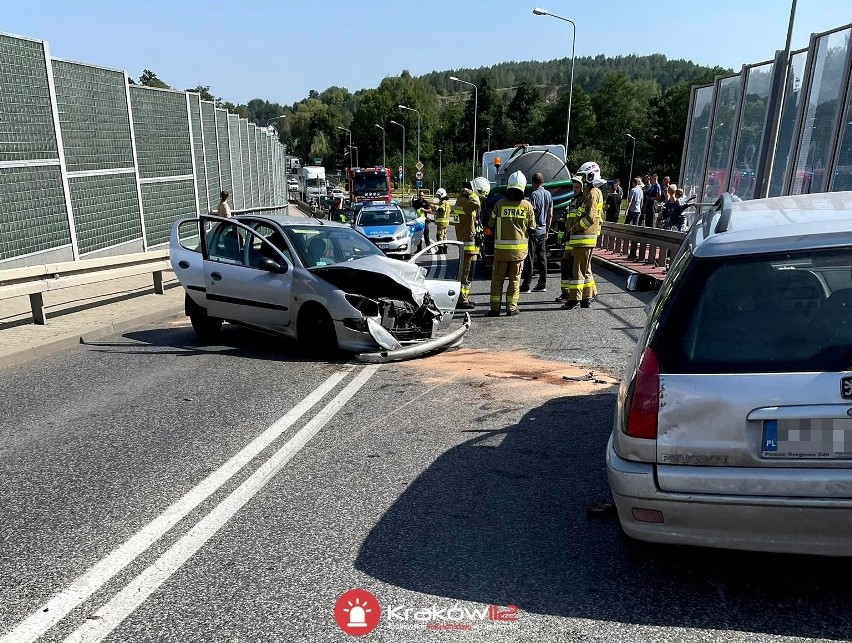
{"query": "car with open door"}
[(317, 281), (733, 423)]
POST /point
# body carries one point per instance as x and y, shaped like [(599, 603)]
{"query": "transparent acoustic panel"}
[(246, 163), (198, 150), (162, 132), (842, 171), (255, 169), (810, 172), (163, 204), (696, 150), (26, 120), (751, 130), (227, 182), (93, 117), (106, 210), (237, 199), (211, 153), (33, 216), (267, 169), (787, 128), (722, 137)]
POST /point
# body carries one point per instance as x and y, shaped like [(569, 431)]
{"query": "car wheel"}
[(205, 326), (316, 330)]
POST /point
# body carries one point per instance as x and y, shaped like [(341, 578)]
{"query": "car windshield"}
[(410, 213), (390, 216), (324, 246), (762, 314), (370, 185)]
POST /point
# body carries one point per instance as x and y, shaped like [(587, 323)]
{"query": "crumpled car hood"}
[(377, 277)]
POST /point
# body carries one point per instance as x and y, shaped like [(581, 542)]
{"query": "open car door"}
[(443, 275)]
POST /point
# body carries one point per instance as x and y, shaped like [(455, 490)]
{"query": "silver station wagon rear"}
[(734, 419)]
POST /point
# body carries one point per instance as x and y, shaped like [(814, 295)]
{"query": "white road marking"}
[(40, 621), (146, 583)]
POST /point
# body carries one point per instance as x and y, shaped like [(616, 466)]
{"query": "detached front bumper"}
[(420, 348)]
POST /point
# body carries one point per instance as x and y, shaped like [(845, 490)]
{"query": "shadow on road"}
[(232, 340), (501, 519)]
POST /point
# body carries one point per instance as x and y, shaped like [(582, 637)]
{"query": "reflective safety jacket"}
[(585, 224), (511, 220), (466, 226), (442, 214)]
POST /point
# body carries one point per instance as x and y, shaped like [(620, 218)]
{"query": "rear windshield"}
[(787, 312)]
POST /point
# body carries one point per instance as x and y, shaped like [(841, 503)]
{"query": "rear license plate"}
[(824, 439)]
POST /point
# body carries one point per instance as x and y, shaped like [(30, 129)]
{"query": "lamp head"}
[(540, 12), (453, 78)]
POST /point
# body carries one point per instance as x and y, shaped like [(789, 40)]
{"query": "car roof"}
[(290, 221), (777, 224)]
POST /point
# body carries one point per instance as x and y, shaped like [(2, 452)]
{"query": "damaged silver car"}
[(316, 281)]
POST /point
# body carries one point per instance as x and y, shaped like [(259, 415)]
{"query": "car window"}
[(764, 313), (188, 235), (410, 214), (226, 244), (324, 246), (390, 216)]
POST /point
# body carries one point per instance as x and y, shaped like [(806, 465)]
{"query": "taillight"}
[(644, 402)]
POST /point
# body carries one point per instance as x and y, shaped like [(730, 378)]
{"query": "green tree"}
[(149, 79), (204, 90)]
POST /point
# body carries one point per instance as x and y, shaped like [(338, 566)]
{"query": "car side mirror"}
[(270, 265), (641, 283)]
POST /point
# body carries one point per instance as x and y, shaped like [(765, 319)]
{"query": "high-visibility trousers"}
[(566, 267), (503, 270), (440, 232), (468, 259), (582, 282)]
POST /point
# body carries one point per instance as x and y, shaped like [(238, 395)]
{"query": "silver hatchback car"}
[(734, 419)]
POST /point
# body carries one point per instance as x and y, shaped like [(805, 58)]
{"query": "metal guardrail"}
[(645, 245), (36, 280)]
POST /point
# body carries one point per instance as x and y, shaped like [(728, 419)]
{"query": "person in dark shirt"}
[(421, 204), (613, 202)]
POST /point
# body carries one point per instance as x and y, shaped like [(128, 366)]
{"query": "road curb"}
[(92, 333)]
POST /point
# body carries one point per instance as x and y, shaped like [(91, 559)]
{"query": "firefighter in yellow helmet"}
[(585, 228), (469, 232), (442, 217), (567, 223), (511, 219)]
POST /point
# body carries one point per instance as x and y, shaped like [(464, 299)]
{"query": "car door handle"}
[(215, 276), (183, 263)]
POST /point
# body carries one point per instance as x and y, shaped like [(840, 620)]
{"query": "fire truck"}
[(370, 184)]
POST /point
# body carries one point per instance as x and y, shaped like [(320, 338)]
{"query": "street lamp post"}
[(411, 109), (475, 110), (358, 160), (384, 156), (440, 167), (403, 156), (632, 154), (489, 138), (350, 143), (544, 12)]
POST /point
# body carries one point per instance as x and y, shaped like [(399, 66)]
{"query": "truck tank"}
[(530, 160)]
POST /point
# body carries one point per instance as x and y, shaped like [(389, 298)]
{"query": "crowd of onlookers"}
[(650, 203)]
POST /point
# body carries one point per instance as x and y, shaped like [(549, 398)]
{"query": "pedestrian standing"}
[(224, 210), (634, 202), (653, 196), (542, 203), (468, 231), (424, 209), (585, 228), (511, 220), (613, 202)]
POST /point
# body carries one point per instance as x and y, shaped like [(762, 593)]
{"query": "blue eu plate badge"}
[(770, 436)]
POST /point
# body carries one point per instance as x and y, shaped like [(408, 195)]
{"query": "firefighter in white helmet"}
[(469, 232), (511, 220), (584, 228), (442, 217)]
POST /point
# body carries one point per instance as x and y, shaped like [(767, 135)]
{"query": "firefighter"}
[(337, 213), (511, 219), (442, 217), (584, 230), (469, 232), (567, 222)]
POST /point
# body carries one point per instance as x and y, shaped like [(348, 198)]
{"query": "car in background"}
[(733, 423), (338, 193), (386, 226), (317, 281)]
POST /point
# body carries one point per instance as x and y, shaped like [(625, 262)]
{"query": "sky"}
[(283, 51)]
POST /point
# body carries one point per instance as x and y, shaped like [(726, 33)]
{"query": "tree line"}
[(518, 102)]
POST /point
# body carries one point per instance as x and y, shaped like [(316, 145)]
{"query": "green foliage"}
[(149, 79), (204, 90)]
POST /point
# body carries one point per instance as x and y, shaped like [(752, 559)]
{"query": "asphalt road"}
[(157, 489)]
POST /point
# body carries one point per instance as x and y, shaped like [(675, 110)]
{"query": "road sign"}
[(400, 170), (419, 165), (419, 183), (317, 160), (419, 176)]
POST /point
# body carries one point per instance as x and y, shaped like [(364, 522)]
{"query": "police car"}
[(386, 225)]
